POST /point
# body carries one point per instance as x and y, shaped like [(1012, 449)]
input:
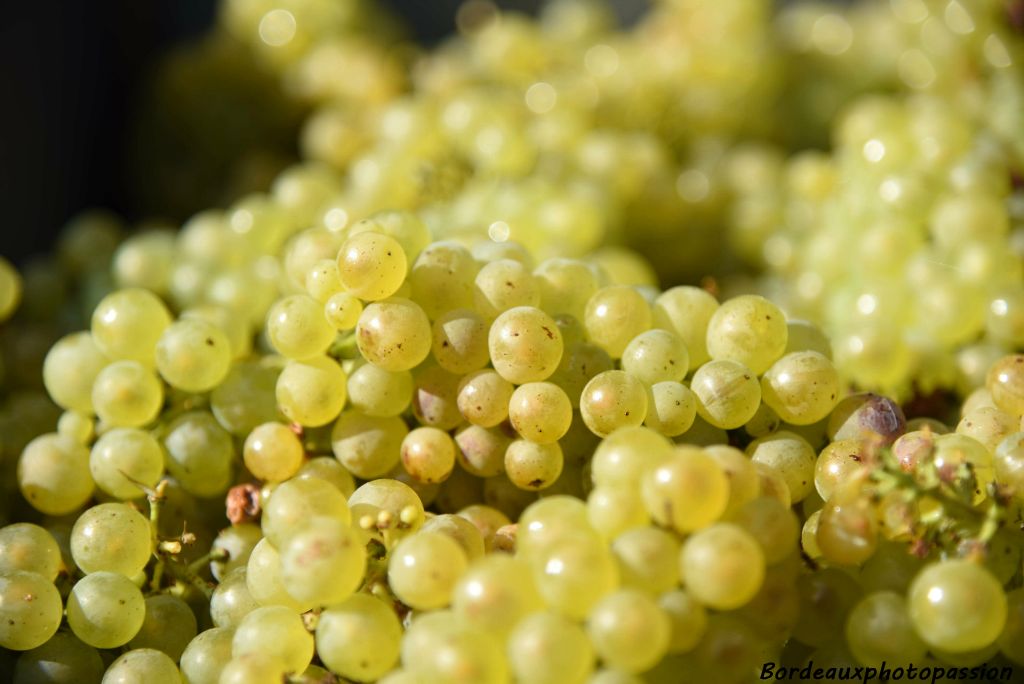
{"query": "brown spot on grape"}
[(537, 482), (209, 342), (547, 330), (444, 344)]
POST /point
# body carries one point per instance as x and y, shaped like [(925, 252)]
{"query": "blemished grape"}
[(359, 638), (323, 562), (459, 341), (428, 454), (371, 266), (525, 345), (481, 451), (957, 606), (394, 334), (484, 397), (105, 609), (143, 665), (867, 416), (29, 548), (112, 538), (540, 412), (533, 466), (275, 631), (613, 400), (30, 610), (656, 356), (342, 310), (671, 408), (64, 659)]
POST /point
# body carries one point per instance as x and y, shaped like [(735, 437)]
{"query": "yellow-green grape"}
[(246, 398), (775, 527), (428, 454), (323, 281), (442, 278), (836, 463), (293, 503), (328, 469), (748, 329), (791, 456), (545, 521), (722, 566), (77, 426), (404, 226), (305, 250), (53, 474), (323, 561), (423, 569), (237, 541), (547, 648), (435, 397), (30, 610), (379, 393), (64, 659), (206, 656), (484, 397), (29, 548), (629, 631), (394, 334), (656, 356), (459, 341), (169, 626), (126, 324), (1004, 323), (10, 289), (648, 559), (105, 609), (804, 336), (142, 665), (1012, 638), (235, 326), (728, 393), (123, 459), (612, 400), (533, 466), (371, 266), (625, 455), (439, 647), (199, 454), (395, 500), (879, 630), (574, 573), (275, 631), (359, 638), (687, 491), (368, 446), (298, 328), (495, 593), (954, 451), (488, 250), (232, 600), (264, 583), (1009, 464), (525, 345), (875, 355), (772, 484), (487, 520), (460, 530), (503, 284), (312, 392), (686, 311), (847, 531), (580, 363), (688, 620), (671, 408), (273, 452), (826, 598), (565, 286), (957, 606), (111, 538), (614, 509), (614, 316), (70, 370), (988, 425), (342, 310), (744, 480), (126, 394), (481, 451), (254, 668), (193, 355), (540, 412), (801, 387)]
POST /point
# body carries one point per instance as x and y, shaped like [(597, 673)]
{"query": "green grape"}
[(126, 324), (233, 323), (10, 289), (481, 451), (573, 574), (671, 408), (957, 606), (1009, 463), (459, 341), (53, 474), (126, 394), (264, 583), (547, 648), (199, 454), (70, 370), (193, 355), (112, 538), (312, 392), (687, 620), (744, 480), (533, 466), (391, 498), (359, 638), (891, 568), (847, 531), (123, 457), (273, 452), (368, 447), (722, 566), (749, 330), (875, 355), (275, 631), (439, 647), (804, 336), (826, 598), (629, 630), (565, 286), (540, 412), (169, 626), (612, 400), (231, 600), (442, 278), (206, 656), (246, 398), (371, 266), (423, 569), (879, 630), (487, 520), (61, 660), (791, 456), (483, 398), (495, 593), (143, 666), (525, 345), (656, 356), (394, 334), (323, 281), (580, 363), (579, 444), (727, 392), (379, 393), (837, 463), (613, 509), (809, 535), (988, 425), (954, 451), (623, 456), (342, 310), (298, 328), (237, 541), (323, 562), (504, 284), (686, 311), (435, 398), (775, 608), (428, 454), (105, 610), (77, 426), (404, 226), (614, 316), (294, 502), (772, 525), (327, 468), (648, 559), (460, 530), (801, 387), (29, 548), (30, 610), (686, 492), (254, 668)]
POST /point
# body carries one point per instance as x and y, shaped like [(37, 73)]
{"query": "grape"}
[(1009, 463), (298, 329), (111, 538), (483, 398), (486, 519), (744, 480), (231, 600), (10, 289), (273, 452), (540, 412), (687, 492), (722, 566), (428, 454), (727, 392), (629, 630), (623, 456), (847, 531), (581, 362), (342, 310), (648, 559), (199, 453), (246, 398), (671, 408), (773, 525), (749, 330), (70, 370), (879, 630), (327, 468), (446, 650), (359, 638), (105, 610), (322, 281), (77, 426), (29, 548), (193, 355), (988, 425), (143, 666), (533, 466), (791, 456), (53, 474), (61, 660), (379, 393), (442, 278), (123, 457), (805, 336), (460, 530), (614, 316), (254, 668), (687, 620), (612, 510), (435, 398), (371, 266), (294, 502), (368, 447), (404, 226), (826, 598), (612, 400), (169, 626), (495, 593), (323, 563), (391, 497), (867, 416), (565, 286), (424, 568), (206, 656), (30, 610), (127, 394), (802, 387), (264, 585), (312, 392), (481, 451), (957, 606), (459, 341), (544, 522), (574, 574), (525, 345), (549, 648), (656, 356), (503, 284), (127, 323), (686, 311), (1012, 635), (275, 631), (836, 464), (394, 334)]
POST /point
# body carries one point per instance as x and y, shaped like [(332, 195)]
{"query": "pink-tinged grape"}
[(868, 417), (428, 454)]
